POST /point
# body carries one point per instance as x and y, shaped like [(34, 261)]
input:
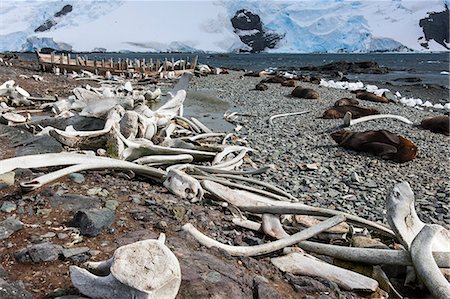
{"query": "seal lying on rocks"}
[(346, 102), (274, 79), (368, 96), (356, 111), (436, 124), (382, 143), (288, 83), (305, 93), (261, 86)]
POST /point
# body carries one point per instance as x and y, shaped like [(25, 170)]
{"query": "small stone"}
[(48, 222), (365, 242), (48, 235), (62, 236), (371, 184), (98, 191), (43, 212), (162, 225), (92, 222), (8, 206), (355, 177), (111, 204), (213, 276), (77, 177), (135, 198), (7, 179), (44, 252), (68, 252), (9, 226), (13, 290)]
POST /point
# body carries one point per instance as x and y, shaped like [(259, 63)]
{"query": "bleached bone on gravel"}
[(263, 248), (304, 264), (250, 202), (424, 263), (370, 255), (71, 137), (11, 117), (228, 150), (200, 125), (183, 185), (285, 114), (271, 226), (348, 121), (100, 164), (231, 162), (142, 270), (164, 159), (241, 187), (403, 219)]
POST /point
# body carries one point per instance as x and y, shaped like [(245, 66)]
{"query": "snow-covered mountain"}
[(226, 25)]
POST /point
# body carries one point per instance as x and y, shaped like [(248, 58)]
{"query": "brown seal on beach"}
[(251, 74), (288, 83), (382, 143), (436, 124), (261, 86), (346, 102), (305, 93), (274, 79), (356, 111), (369, 96)]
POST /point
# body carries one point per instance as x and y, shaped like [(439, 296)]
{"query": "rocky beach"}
[(39, 240)]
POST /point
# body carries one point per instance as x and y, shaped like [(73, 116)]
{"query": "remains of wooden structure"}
[(67, 62)]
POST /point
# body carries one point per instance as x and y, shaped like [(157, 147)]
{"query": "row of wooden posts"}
[(124, 64)]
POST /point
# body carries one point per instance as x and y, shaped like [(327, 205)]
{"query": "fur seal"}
[(305, 93), (274, 79), (288, 83), (382, 143), (356, 111), (261, 86), (346, 102), (369, 96), (436, 124)]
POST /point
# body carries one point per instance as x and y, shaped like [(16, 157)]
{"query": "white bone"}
[(348, 121)]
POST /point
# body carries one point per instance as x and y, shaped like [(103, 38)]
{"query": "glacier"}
[(307, 26)]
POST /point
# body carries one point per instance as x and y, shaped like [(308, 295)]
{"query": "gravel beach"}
[(354, 182)]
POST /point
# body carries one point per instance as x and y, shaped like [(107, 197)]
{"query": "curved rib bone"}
[(348, 121), (164, 159), (47, 160), (200, 125), (271, 226), (100, 164), (229, 149), (250, 202), (285, 114), (425, 264), (370, 255), (264, 248), (303, 264), (232, 162)]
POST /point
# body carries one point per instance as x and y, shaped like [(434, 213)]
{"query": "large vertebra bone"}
[(142, 270), (183, 185)]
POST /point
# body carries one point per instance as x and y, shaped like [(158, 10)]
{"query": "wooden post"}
[(61, 58), (68, 59), (165, 64), (77, 60), (173, 64), (95, 61), (52, 57), (183, 65), (85, 60), (194, 63), (151, 64), (103, 62), (158, 64)]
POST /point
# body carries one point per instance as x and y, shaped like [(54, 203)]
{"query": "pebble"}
[(9, 226), (77, 178), (7, 179), (92, 222), (48, 235), (8, 207), (355, 177), (98, 191), (111, 204)]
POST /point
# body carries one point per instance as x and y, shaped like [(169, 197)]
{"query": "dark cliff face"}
[(251, 31), (49, 23), (436, 27)]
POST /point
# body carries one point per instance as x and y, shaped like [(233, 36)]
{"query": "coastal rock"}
[(435, 27), (8, 206), (77, 177), (13, 290), (9, 226), (366, 67), (73, 202), (44, 252), (252, 32), (92, 222)]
